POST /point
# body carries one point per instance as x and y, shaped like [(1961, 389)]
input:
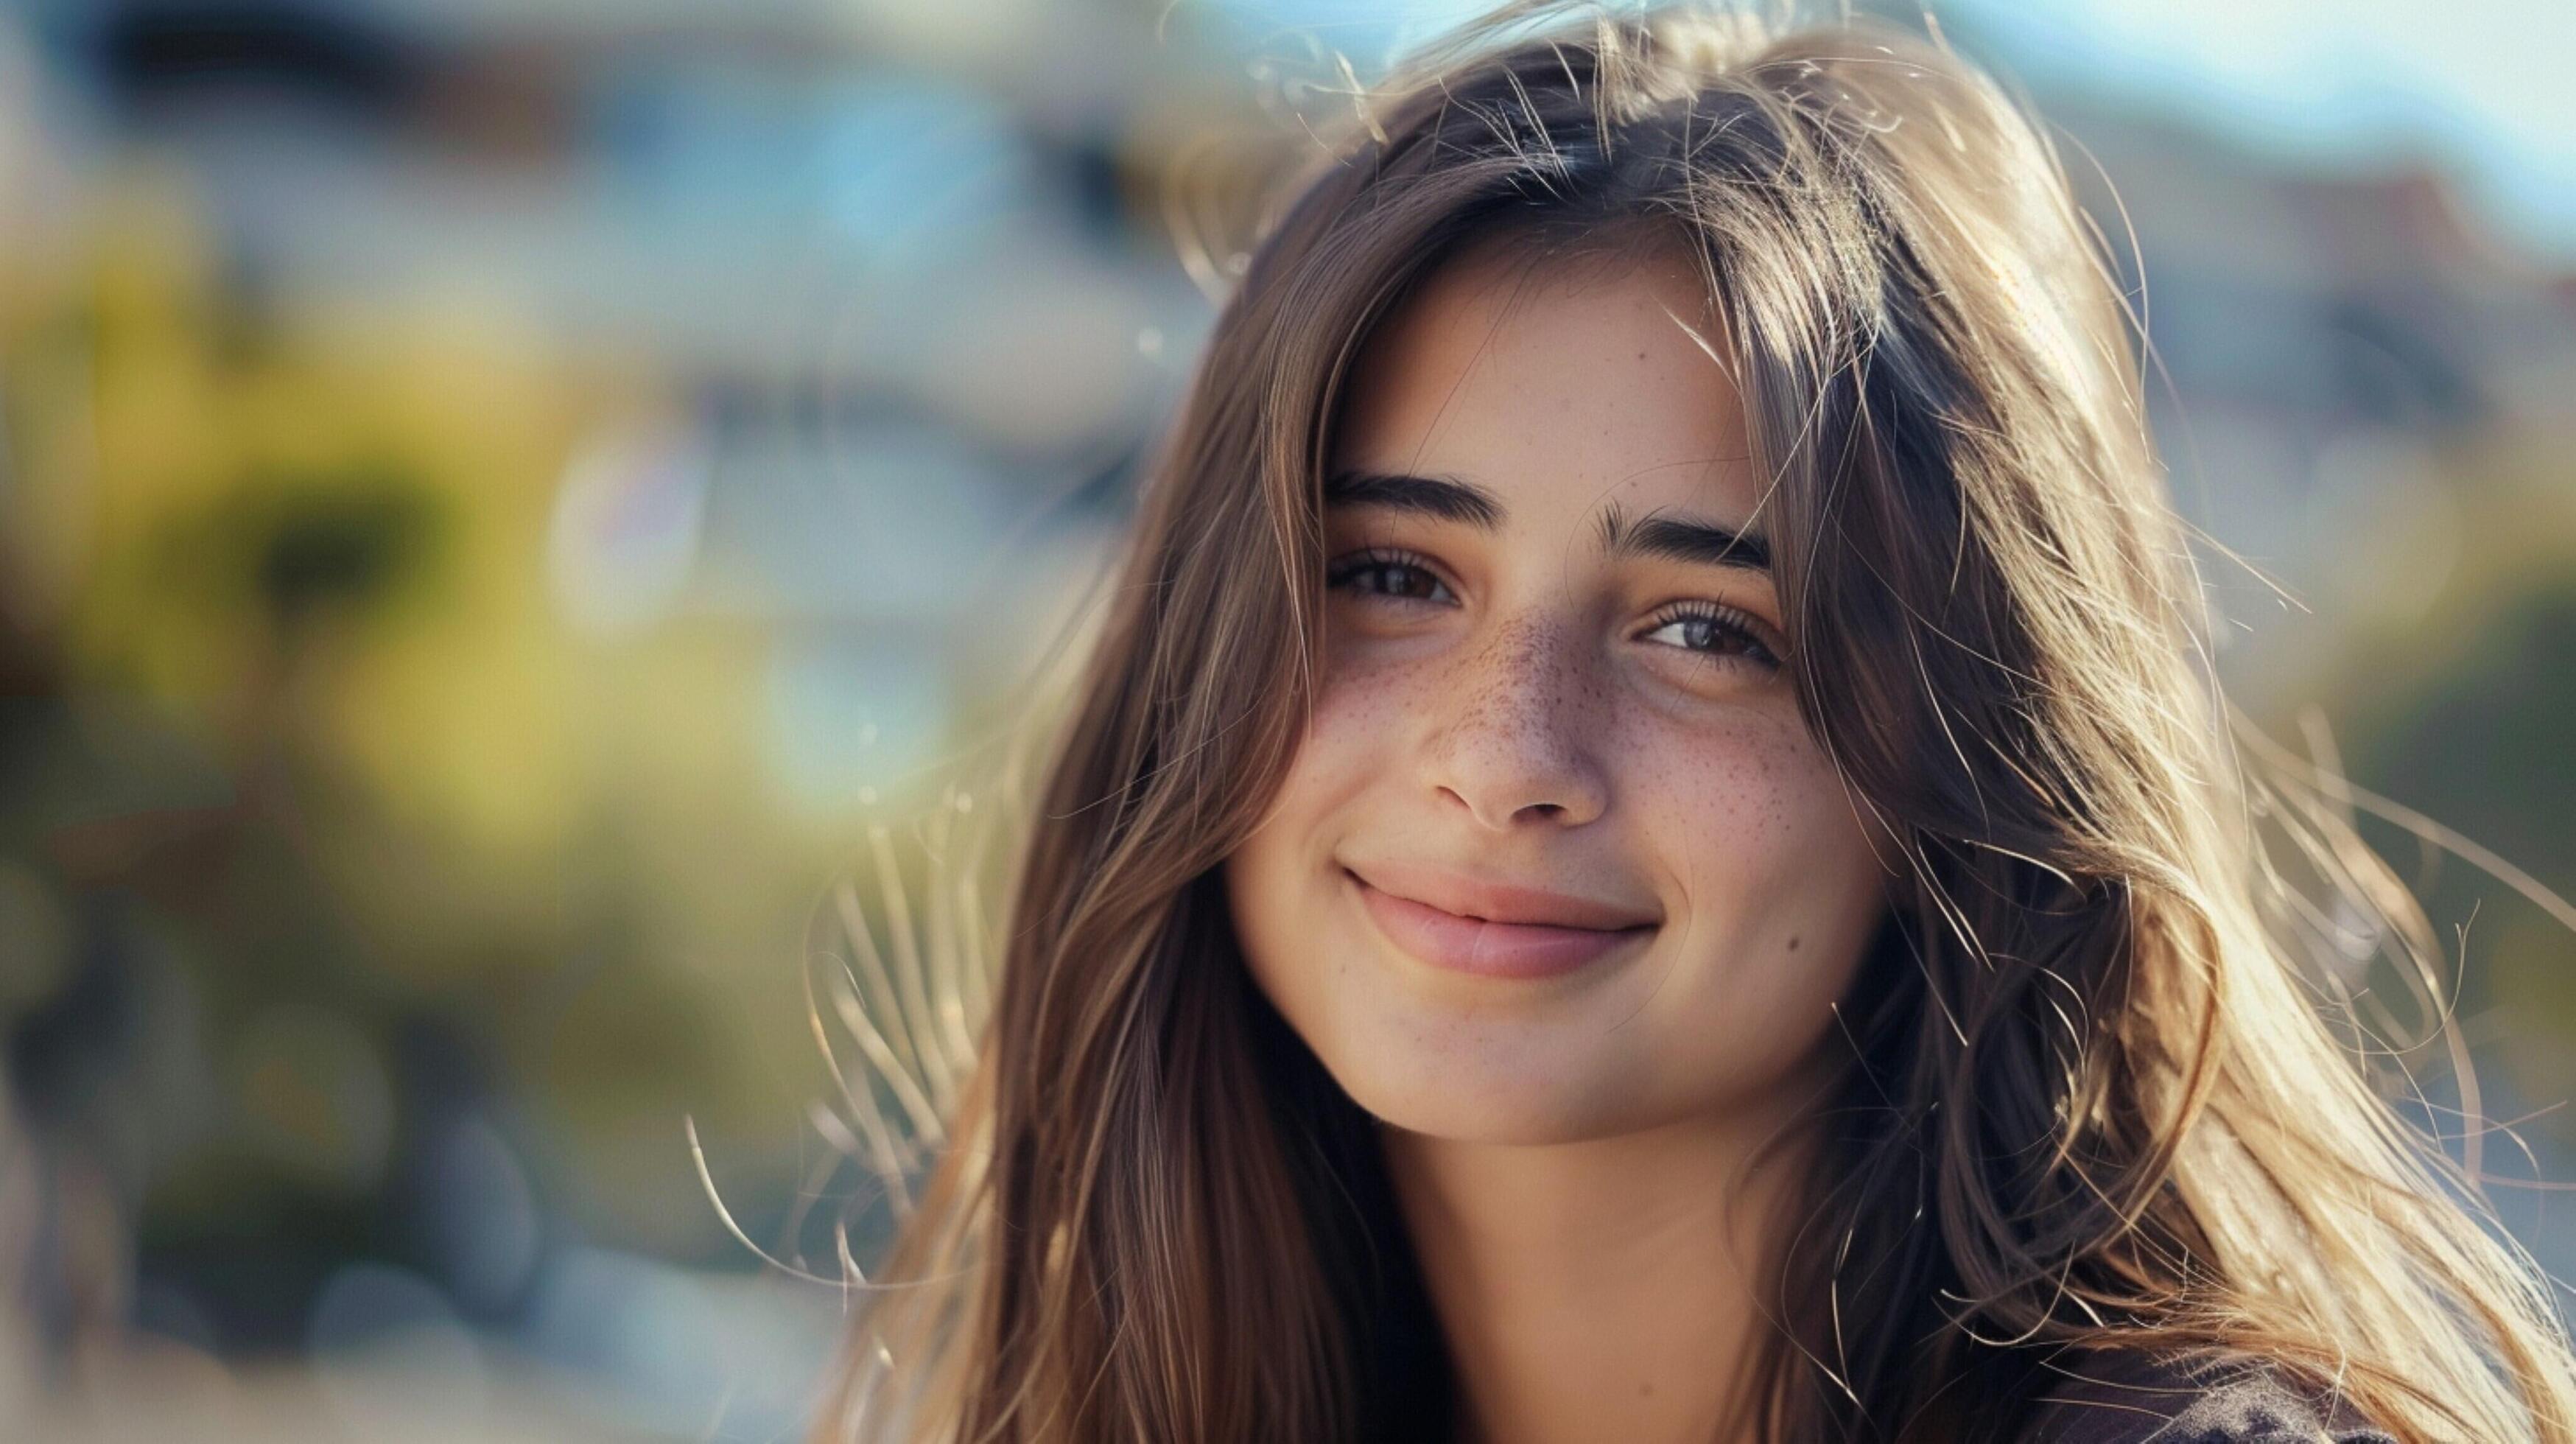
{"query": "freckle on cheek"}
[(1793, 943)]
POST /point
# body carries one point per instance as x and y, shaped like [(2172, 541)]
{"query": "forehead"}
[(1558, 385)]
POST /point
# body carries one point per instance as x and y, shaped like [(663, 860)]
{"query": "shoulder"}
[(2105, 1396)]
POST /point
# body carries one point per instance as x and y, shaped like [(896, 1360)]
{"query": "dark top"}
[(2102, 1397)]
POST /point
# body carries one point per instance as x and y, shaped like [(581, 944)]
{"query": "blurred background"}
[(505, 503)]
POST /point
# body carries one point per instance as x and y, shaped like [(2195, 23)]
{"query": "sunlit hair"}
[(2107, 1086)]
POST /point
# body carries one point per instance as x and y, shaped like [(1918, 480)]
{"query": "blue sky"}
[(2486, 88)]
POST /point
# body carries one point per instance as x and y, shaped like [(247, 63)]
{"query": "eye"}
[(1400, 575), (1710, 630)]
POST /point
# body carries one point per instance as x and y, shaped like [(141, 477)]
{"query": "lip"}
[(1493, 930)]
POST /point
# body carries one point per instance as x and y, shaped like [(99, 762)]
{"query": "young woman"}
[(1648, 851)]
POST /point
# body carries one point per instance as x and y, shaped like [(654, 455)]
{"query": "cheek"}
[(1308, 951), (1369, 690), (1747, 804), (1280, 880), (1780, 886), (1354, 739)]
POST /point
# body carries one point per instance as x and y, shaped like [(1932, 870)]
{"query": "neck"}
[(1611, 1288)]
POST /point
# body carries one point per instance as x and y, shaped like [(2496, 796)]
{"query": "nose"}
[(1517, 741)]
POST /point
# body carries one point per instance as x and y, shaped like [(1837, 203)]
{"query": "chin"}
[(1489, 1080), (1521, 1116)]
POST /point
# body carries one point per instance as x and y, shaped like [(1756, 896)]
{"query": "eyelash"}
[(1733, 624), (1381, 559)]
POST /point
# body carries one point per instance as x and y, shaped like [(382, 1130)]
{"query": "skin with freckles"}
[(1546, 699), (1506, 701)]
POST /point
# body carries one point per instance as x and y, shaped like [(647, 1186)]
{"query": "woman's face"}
[(1556, 858)]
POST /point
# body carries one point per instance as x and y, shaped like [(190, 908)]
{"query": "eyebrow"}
[(1432, 496), (1699, 543)]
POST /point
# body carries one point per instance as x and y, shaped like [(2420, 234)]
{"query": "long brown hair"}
[(2093, 1099)]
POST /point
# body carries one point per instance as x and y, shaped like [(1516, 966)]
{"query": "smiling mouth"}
[(1485, 947)]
